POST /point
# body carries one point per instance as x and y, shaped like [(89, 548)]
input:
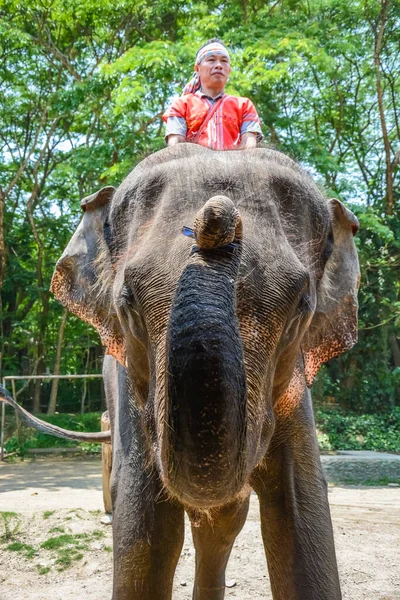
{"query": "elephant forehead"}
[(271, 275)]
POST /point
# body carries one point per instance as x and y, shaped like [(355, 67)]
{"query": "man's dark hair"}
[(212, 41)]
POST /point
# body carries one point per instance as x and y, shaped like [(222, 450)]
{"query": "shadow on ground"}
[(51, 475)]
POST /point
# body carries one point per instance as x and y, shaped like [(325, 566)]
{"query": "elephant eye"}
[(126, 294), (305, 304), (303, 310), (125, 299)]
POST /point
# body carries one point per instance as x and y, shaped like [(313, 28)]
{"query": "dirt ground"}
[(52, 499)]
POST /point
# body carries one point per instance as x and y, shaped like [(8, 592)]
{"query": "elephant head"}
[(219, 334)]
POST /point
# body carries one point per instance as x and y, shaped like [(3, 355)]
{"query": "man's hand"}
[(249, 140), (175, 139)]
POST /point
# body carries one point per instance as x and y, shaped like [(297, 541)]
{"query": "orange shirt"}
[(224, 129)]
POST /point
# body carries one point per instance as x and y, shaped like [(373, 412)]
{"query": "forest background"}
[(83, 85)]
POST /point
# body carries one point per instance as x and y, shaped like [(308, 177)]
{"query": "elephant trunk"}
[(203, 453)]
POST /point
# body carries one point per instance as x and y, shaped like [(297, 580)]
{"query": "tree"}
[(83, 90)]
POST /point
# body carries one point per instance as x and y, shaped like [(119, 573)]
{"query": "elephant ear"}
[(83, 277), (333, 329)]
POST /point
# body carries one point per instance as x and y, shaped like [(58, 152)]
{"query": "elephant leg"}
[(148, 532), (213, 539), (148, 526), (295, 518)]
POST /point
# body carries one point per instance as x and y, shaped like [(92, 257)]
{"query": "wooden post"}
[(106, 459), (17, 419)]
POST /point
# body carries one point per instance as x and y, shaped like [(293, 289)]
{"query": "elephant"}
[(219, 282)]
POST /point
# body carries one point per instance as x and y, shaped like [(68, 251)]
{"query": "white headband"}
[(212, 48)]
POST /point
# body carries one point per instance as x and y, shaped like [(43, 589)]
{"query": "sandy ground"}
[(366, 524)]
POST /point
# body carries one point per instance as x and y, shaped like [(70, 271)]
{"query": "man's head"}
[(213, 66)]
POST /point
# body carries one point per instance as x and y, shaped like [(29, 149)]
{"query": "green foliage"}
[(83, 89), (69, 548), (11, 523), (26, 549), (336, 430), (340, 431), (65, 539), (57, 530), (31, 438), (61, 548), (48, 513)]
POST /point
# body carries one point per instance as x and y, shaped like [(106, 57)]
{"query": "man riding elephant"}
[(205, 114)]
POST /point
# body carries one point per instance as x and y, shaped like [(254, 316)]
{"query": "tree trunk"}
[(2, 274), (38, 383), (2, 244), (389, 197), (395, 350), (17, 419), (40, 352), (348, 383), (85, 386), (54, 387), (83, 397)]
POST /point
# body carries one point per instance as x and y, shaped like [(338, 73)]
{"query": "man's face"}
[(214, 71)]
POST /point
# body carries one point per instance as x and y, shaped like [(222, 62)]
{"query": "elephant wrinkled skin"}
[(217, 341)]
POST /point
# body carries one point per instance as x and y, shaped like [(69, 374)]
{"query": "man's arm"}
[(250, 130), (174, 138), (176, 129), (248, 140)]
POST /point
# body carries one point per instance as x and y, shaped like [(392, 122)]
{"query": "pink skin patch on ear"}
[(334, 344), (116, 349), (292, 397), (112, 340)]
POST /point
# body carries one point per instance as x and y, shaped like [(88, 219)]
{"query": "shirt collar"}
[(201, 94)]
